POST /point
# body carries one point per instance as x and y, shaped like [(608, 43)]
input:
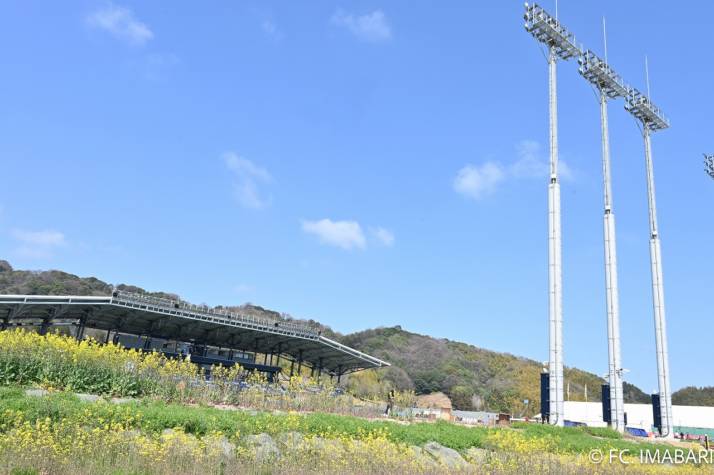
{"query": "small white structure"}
[(640, 415)]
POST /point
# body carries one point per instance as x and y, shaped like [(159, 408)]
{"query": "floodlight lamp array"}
[(550, 32), (601, 75), (709, 165), (642, 108)]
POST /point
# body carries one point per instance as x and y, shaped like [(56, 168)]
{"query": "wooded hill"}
[(472, 377)]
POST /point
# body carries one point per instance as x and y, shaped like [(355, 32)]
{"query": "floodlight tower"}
[(610, 86), (561, 45), (709, 164), (653, 120)]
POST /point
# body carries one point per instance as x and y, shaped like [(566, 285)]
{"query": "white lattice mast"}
[(609, 86), (652, 120), (561, 45)]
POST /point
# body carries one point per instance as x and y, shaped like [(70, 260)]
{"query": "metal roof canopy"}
[(175, 320)]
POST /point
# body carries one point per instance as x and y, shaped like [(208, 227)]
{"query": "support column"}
[(555, 360), (292, 368), (658, 297), (80, 329), (5, 320), (617, 403), (46, 321)]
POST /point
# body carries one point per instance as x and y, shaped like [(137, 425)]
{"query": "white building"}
[(685, 418)]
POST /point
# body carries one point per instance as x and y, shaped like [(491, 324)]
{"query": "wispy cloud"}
[(121, 23), (346, 235), (249, 178), (384, 236), (271, 30), (372, 27), (37, 244), (532, 163), (478, 181)]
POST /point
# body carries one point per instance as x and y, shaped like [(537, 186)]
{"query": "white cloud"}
[(529, 163), (37, 244), (343, 234), (120, 22), (39, 238), (384, 236), (372, 27), (249, 177), (476, 181), (532, 163)]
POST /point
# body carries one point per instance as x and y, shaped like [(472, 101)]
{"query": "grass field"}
[(73, 436), (155, 416)]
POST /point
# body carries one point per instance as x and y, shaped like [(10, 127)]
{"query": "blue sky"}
[(361, 163)]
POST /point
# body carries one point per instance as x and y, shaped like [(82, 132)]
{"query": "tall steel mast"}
[(652, 120), (561, 45), (609, 85)]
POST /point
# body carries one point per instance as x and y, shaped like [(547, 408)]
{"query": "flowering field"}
[(179, 423), (60, 362)]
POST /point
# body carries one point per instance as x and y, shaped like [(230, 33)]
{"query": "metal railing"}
[(270, 324)]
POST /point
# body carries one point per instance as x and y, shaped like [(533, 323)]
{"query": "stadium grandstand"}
[(180, 329)]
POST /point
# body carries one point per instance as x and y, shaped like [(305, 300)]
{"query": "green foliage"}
[(583, 439), (604, 432), (467, 373), (693, 396), (24, 471), (60, 362), (633, 394), (461, 396), (155, 416)]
